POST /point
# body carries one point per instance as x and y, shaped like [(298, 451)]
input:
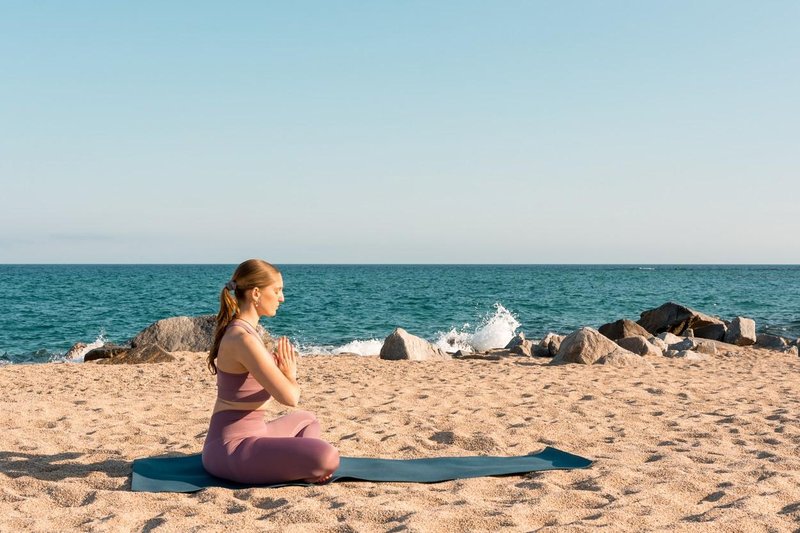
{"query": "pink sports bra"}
[(241, 387)]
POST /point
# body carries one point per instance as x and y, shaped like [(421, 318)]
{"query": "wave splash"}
[(494, 330)]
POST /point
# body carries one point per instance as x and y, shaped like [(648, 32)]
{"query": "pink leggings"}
[(240, 446)]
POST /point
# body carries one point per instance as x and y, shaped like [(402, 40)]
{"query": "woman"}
[(239, 445)]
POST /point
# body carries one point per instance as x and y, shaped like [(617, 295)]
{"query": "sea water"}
[(331, 309)]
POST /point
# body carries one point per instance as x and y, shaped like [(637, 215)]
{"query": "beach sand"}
[(679, 446)]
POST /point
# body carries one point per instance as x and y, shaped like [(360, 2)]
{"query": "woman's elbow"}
[(292, 401)]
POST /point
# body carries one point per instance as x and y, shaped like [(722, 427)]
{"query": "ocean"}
[(331, 309)]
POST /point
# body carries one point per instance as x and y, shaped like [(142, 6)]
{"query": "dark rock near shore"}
[(151, 353), (675, 318), (518, 339), (714, 332), (104, 352), (549, 345), (773, 342), (77, 348), (400, 344), (621, 329)]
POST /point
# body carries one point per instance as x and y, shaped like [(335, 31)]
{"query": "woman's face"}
[(271, 297)]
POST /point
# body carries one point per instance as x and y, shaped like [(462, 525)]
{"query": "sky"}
[(400, 132)]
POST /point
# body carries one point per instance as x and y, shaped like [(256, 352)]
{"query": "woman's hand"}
[(286, 359)]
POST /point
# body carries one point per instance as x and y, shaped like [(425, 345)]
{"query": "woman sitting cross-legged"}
[(240, 445)]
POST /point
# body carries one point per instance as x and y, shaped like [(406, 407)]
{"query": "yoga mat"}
[(186, 473)]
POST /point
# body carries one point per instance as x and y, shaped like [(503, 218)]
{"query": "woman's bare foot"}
[(321, 479)]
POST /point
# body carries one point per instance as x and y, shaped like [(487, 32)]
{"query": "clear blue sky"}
[(400, 132)]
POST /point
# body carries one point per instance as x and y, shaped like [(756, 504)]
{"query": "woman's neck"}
[(250, 318)]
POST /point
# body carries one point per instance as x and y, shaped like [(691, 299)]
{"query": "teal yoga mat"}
[(186, 473)]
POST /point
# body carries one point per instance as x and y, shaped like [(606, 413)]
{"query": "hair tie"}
[(231, 285)]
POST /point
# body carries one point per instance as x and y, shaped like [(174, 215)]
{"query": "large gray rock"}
[(675, 318), (585, 346), (400, 344), (179, 333), (150, 353), (640, 346), (621, 329), (741, 331)]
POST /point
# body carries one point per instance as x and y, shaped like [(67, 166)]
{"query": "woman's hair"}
[(252, 273)]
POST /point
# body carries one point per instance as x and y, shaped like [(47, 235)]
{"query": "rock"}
[(669, 338), (773, 342), (715, 332), (400, 344), (76, 349), (551, 342), (150, 353), (693, 343), (623, 359), (518, 339), (741, 332), (621, 329), (179, 333), (585, 346), (688, 355), (640, 346), (525, 348), (104, 352), (658, 343), (688, 332), (675, 318), (794, 350)]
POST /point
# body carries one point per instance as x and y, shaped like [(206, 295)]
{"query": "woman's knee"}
[(329, 459)]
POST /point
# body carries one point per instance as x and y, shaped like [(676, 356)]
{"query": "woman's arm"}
[(260, 363)]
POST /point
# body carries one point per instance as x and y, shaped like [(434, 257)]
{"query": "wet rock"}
[(741, 332), (151, 353), (621, 329), (76, 349), (518, 339), (400, 344), (104, 352), (675, 318)]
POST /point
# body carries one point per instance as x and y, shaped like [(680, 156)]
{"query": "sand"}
[(710, 446)]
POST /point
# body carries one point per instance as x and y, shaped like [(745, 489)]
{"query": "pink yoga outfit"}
[(240, 446)]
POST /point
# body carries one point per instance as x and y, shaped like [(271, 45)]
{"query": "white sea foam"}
[(360, 347), (78, 356), (493, 331)]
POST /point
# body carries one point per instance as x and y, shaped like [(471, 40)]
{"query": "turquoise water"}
[(45, 309)]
